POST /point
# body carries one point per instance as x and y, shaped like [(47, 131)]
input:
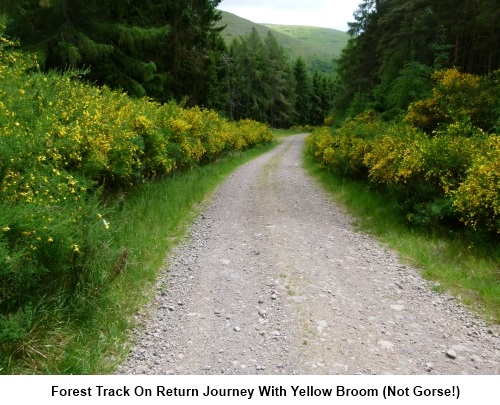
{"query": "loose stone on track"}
[(274, 279)]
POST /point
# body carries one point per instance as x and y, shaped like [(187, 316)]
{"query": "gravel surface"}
[(274, 279)]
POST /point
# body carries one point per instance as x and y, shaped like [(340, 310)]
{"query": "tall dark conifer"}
[(193, 52), (321, 99), (260, 82), (249, 77), (302, 91), (163, 49), (393, 40), (110, 37), (281, 110)]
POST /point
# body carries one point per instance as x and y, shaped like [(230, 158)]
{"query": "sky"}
[(319, 13)]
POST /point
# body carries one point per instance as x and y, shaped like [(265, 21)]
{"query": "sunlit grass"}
[(147, 223), (72, 228)]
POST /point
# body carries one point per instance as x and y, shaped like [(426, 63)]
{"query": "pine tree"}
[(393, 40), (321, 99), (302, 91), (193, 52), (106, 36), (163, 49), (260, 83), (279, 78), (249, 79)]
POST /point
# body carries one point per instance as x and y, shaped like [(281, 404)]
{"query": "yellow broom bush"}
[(62, 142)]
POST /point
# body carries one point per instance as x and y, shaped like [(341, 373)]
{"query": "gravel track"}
[(274, 279)]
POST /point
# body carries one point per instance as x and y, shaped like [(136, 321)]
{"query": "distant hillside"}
[(325, 40), (318, 46), (237, 26)]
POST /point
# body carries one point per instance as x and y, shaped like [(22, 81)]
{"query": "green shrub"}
[(62, 144), (343, 150), (477, 199), (449, 177), (457, 97)]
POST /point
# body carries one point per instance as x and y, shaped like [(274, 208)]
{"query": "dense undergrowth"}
[(68, 152), (428, 184), (441, 163)]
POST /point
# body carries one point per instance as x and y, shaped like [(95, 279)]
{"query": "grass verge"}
[(468, 270), (287, 132), (284, 132), (144, 226)]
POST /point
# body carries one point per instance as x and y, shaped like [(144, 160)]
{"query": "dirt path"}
[(274, 280)]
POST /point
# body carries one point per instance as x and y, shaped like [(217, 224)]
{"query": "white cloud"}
[(321, 13)]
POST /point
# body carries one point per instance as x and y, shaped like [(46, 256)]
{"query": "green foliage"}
[(279, 75), (422, 172), (161, 49), (264, 85), (343, 150), (433, 63), (396, 44), (477, 199), (322, 90), (302, 91), (447, 178), (65, 145), (248, 78), (14, 327), (458, 98), (411, 84)]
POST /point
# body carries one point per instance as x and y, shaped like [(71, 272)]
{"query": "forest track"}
[(274, 279)]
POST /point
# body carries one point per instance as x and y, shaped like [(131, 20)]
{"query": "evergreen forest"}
[(102, 100), (173, 50), (396, 45)]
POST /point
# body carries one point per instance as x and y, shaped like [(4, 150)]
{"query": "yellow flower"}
[(50, 240), (6, 229), (106, 224), (75, 248)]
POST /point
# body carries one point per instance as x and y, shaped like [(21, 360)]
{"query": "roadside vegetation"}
[(72, 156), (429, 184), (414, 145), (116, 118)]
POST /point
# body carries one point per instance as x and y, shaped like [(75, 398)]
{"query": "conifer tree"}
[(302, 91), (260, 82), (320, 99), (249, 77), (279, 78), (395, 40), (193, 52), (110, 37), (160, 48)]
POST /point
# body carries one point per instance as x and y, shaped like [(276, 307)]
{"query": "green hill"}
[(318, 46), (326, 41)]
